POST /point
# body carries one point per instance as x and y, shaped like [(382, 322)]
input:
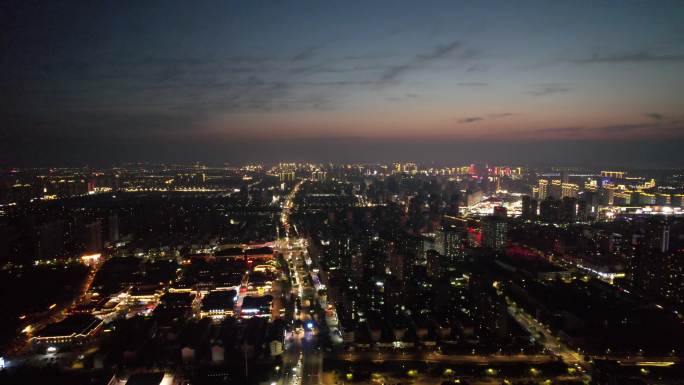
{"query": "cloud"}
[(401, 98), (656, 116), (623, 128), (471, 119), (550, 88), (170, 72), (662, 125), (441, 51), (204, 96), (325, 68), (559, 130), (500, 115), (307, 53), (393, 73), (207, 84), (338, 83), (473, 84), (480, 67), (634, 57), (617, 128)]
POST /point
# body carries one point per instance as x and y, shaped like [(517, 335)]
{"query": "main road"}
[(303, 358), (551, 342), (383, 356)]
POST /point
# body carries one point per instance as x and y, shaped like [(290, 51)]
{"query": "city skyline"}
[(321, 274), (580, 83), (309, 192)]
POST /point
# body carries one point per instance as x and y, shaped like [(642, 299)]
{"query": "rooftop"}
[(219, 299), (71, 325)]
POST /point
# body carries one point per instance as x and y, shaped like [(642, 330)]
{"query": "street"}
[(302, 359)]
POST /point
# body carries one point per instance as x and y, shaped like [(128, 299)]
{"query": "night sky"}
[(532, 82)]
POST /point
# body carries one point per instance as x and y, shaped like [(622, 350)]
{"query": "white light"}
[(168, 379), (51, 349)]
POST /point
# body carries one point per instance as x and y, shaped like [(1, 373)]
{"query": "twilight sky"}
[(562, 82)]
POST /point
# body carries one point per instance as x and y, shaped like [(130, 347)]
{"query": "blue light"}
[(309, 325)]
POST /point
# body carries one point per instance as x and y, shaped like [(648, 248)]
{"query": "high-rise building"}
[(439, 244), (549, 210), (50, 238), (489, 314), (556, 189), (568, 211), (589, 201), (607, 196), (397, 265), (569, 190), (663, 199), (494, 232), (642, 198), (396, 167), (287, 176), (529, 207), (583, 210), (356, 264), (650, 264), (658, 234), (622, 198), (453, 234), (543, 189), (410, 168), (435, 263), (93, 236), (454, 249), (113, 228), (318, 175)]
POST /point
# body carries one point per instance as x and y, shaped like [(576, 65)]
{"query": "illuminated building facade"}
[(543, 189), (613, 174), (556, 189), (287, 176), (569, 190)]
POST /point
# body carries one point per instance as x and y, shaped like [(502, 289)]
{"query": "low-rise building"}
[(75, 329), (219, 304)]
